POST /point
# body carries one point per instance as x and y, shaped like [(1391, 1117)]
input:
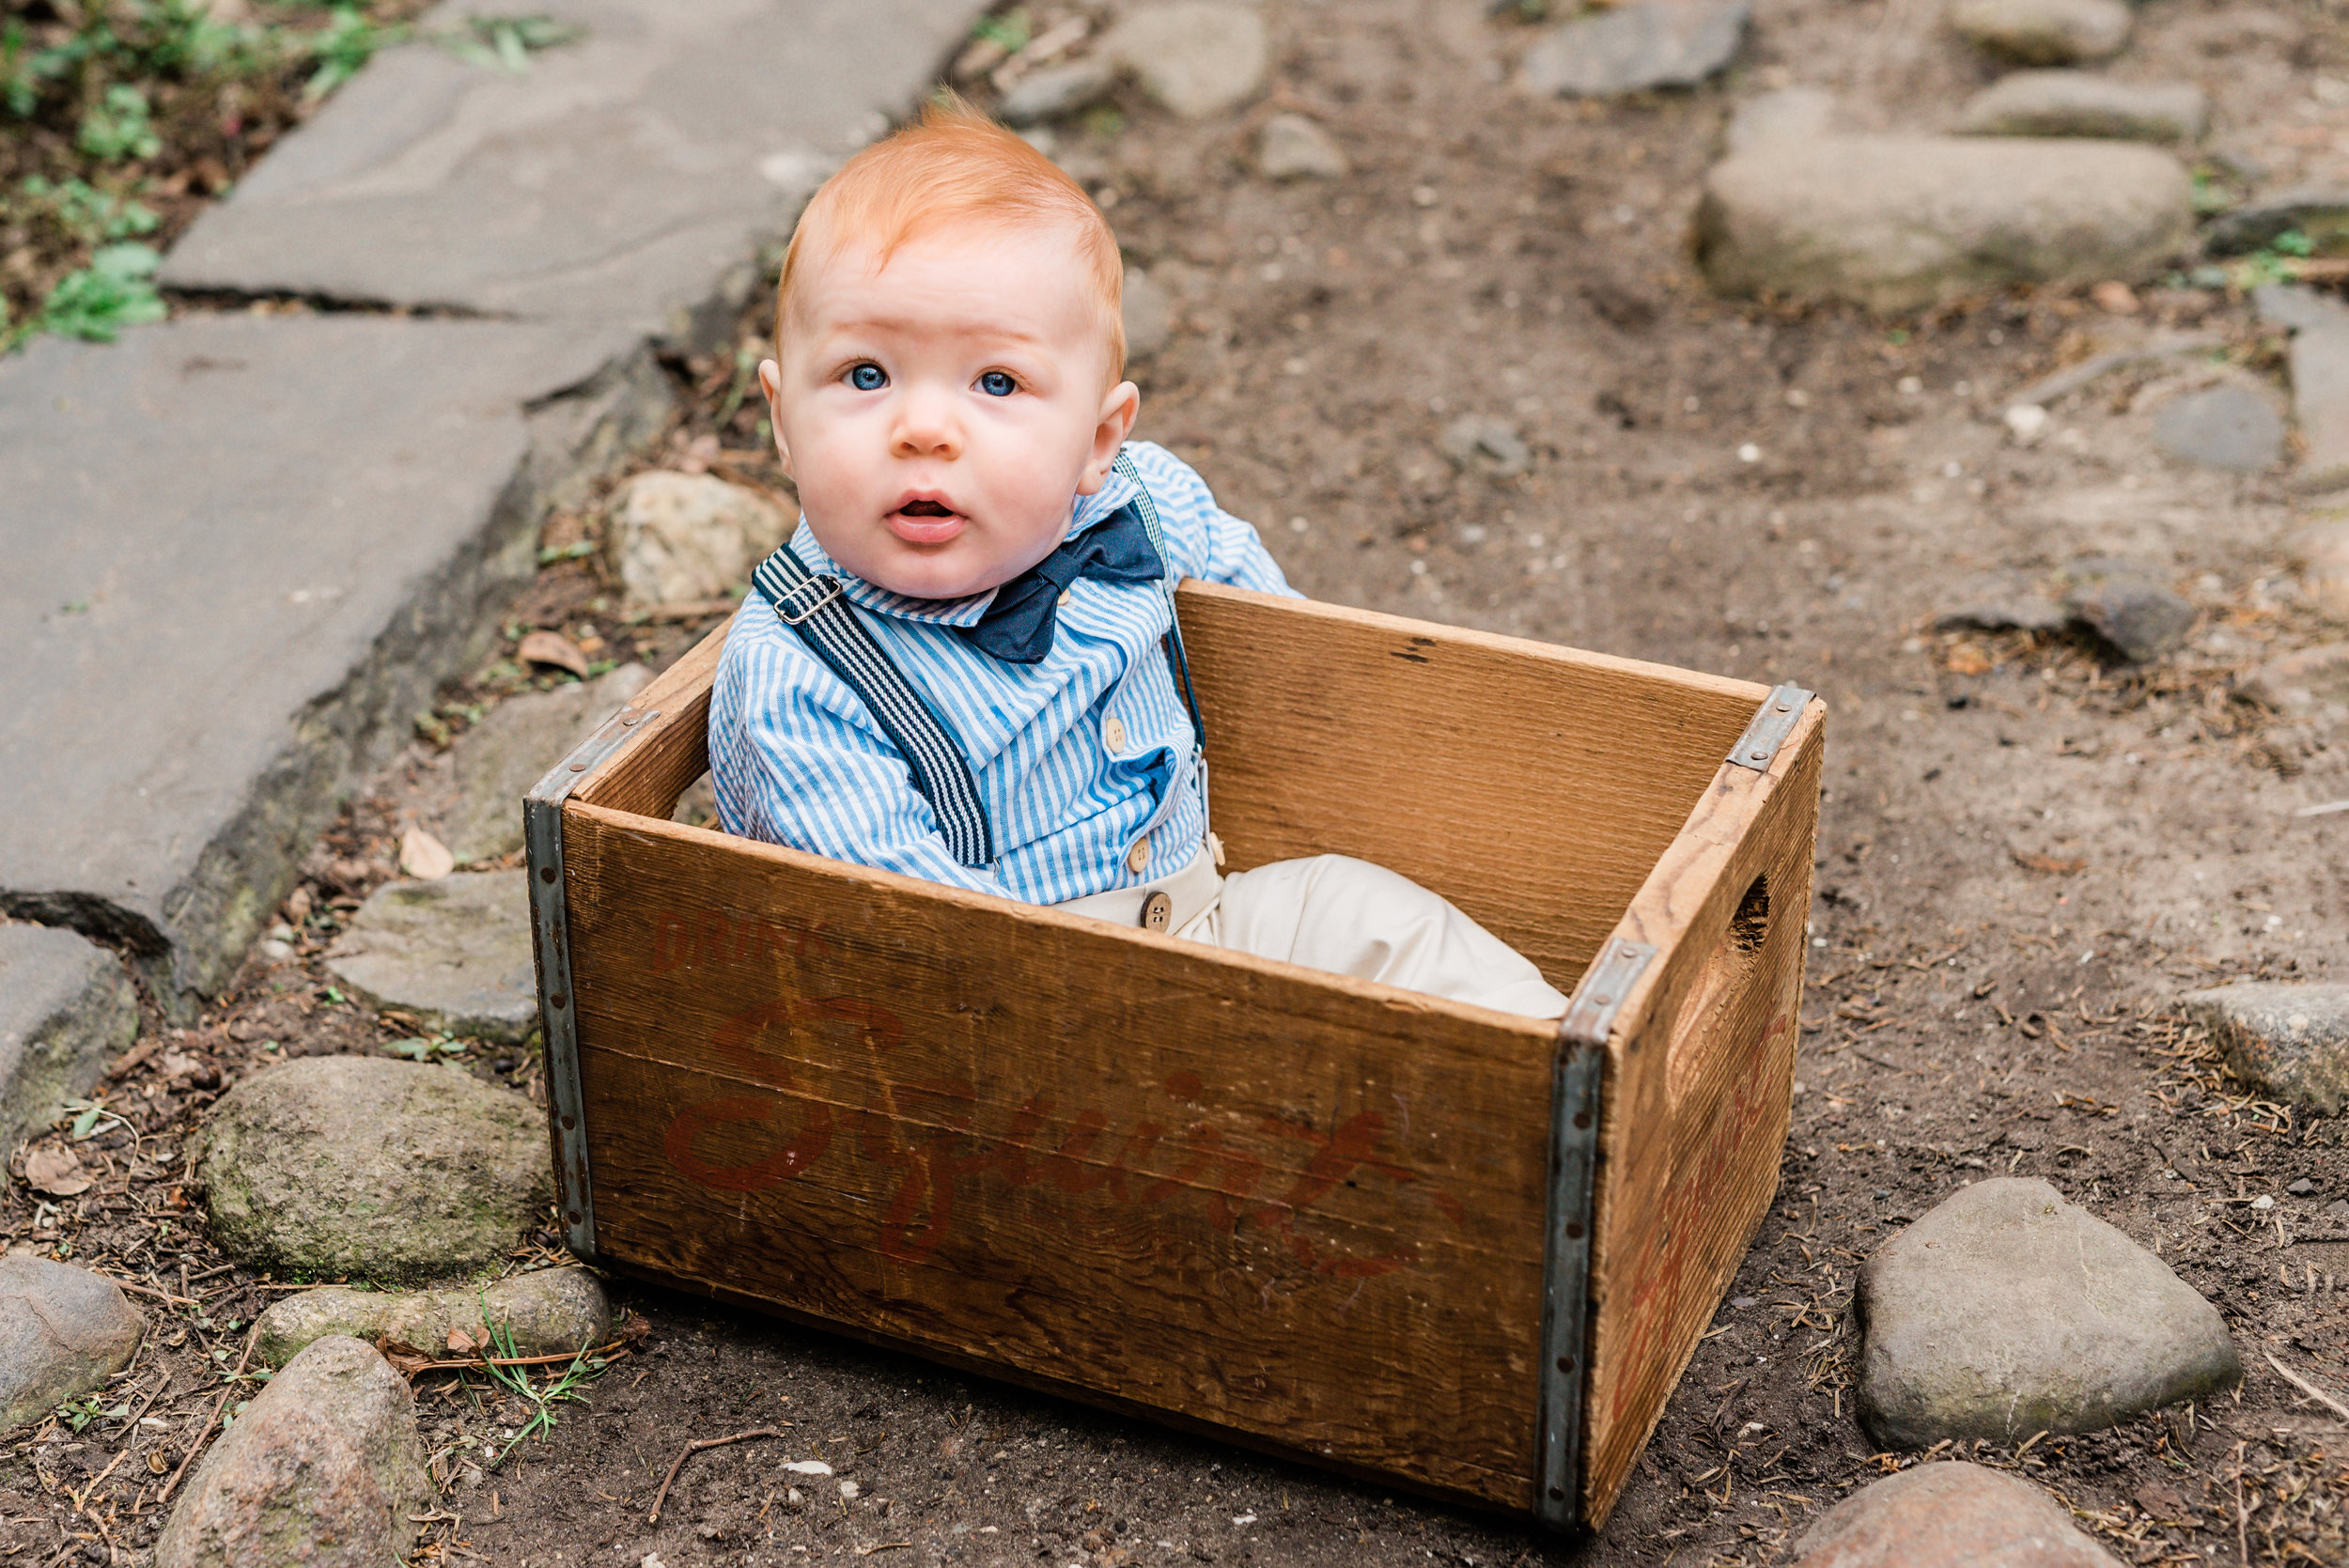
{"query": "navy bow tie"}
[(1017, 627)]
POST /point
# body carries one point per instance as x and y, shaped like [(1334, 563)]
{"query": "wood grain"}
[(669, 752), (1697, 1091)]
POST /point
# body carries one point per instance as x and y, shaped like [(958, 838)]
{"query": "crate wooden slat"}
[(1307, 1212)]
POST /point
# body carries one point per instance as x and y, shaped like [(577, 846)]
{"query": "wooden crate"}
[(1406, 1238)]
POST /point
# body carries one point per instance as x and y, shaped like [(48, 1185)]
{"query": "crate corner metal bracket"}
[(1772, 723), (1566, 1244), (551, 945)]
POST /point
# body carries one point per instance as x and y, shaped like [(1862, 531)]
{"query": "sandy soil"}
[(2025, 851)]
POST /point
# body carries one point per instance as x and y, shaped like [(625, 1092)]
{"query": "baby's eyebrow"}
[(987, 330)]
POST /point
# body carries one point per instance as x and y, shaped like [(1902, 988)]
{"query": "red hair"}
[(955, 166)]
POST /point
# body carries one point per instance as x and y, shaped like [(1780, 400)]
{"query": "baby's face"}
[(939, 414)]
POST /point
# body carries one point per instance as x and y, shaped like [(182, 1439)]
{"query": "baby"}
[(961, 667)]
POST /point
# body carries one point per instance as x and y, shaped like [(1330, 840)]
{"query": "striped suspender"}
[(811, 605)]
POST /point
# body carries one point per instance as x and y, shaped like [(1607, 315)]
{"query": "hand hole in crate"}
[(1709, 1027)]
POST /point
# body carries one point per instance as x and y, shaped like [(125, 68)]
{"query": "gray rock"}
[(1628, 49), (456, 953), (2292, 1040), (1197, 57), (675, 537), (236, 632), (1294, 148), (2043, 32), (373, 1168), (1056, 90), (2320, 403), (2319, 211), (495, 763), (2080, 103), (2006, 1311), (1487, 445), (1148, 315), (325, 1468), (2223, 427), (1900, 222), (1788, 115), (553, 1312), (2307, 682), (2127, 604), (65, 1005), (63, 1332), (623, 184), (1948, 1515), (2000, 602), (2297, 307)]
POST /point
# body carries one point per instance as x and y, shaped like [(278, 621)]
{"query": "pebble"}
[(1148, 313), (65, 1004), (1294, 148), (2290, 1039), (2043, 31), (2221, 426), (2006, 1311), (346, 1166), (63, 1331), (2081, 104), (2125, 603), (2319, 211), (1057, 90), (1903, 223), (455, 952), (1634, 48), (496, 763), (1196, 57), (552, 1311), (675, 537), (1788, 115), (325, 1468), (1487, 445), (1948, 1515)]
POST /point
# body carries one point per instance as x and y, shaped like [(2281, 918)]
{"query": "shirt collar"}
[(1088, 512)]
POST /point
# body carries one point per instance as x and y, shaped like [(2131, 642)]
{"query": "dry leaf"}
[(460, 1342), (1967, 659), (56, 1171), (2048, 864), (2115, 296), (424, 857), (552, 648)]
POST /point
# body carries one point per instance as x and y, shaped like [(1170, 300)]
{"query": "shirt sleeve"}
[(794, 760), (1207, 543)]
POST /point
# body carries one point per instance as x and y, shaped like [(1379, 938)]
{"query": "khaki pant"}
[(1342, 916)]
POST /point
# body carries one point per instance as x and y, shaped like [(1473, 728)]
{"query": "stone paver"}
[(495, 763), (63, 1331), (455, 952), (553, 1312), (2007, 1310), (1899, 223), (678, 537), (2000, 602), (249, 623), (2043, 31), (623, 183), (1651, 43), (2290, 1040), (2082, 103), (1197, 57), (1790, 114), (372, 1169), (1948, 1515), (65, 1005), (324, 1468), (2222, 427), (1294, 147), (1057, 90), (2319, 384)]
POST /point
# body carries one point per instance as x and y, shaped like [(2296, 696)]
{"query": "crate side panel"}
[(647, 776), (1698, 1097), (1297, 1207), (1533, 787)]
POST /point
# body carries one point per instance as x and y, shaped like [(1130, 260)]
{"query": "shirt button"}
[(1138, 857), (1113, 735)]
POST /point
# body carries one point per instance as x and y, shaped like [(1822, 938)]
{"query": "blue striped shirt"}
[(1078, 758)]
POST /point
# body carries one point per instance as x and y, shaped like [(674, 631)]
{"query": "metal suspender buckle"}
[(785, 602)]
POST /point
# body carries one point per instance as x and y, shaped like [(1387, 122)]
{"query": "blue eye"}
[(868, 378), (998, 384)]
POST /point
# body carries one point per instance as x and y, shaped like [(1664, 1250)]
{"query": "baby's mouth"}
[(924, 521), (924, 509)]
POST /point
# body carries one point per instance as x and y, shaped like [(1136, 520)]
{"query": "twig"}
[(149, 1290), (2336, 1407), (83, 1496), (151, 1399), (693, 1447), (481, 1361), (196, 1446)]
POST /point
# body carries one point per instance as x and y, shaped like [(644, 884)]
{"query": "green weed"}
[(116, 290)]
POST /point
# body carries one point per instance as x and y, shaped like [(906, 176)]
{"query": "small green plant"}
[(79, 1413), (98, 301), (120, 125), (347, 42), (1008, 32), (84, 213), (427, 1047), (560, 1387), (506, 41)]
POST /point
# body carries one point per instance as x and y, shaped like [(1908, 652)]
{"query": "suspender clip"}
[(787, 602)]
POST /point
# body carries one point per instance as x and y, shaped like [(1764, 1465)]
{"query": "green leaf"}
[(109, 294), (86, 1121)]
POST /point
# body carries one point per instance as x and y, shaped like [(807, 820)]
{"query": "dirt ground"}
[(2026, 850)]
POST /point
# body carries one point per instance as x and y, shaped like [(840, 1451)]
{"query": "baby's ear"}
[(771, 382), (1120, 408)]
